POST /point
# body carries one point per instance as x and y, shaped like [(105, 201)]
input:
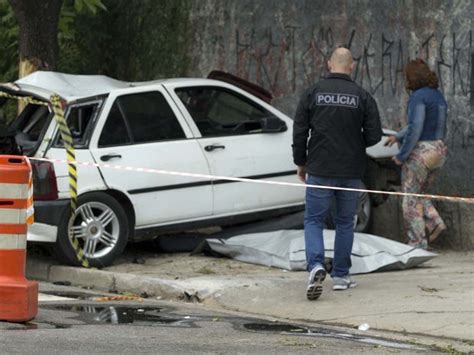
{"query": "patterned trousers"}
[(418, 174)]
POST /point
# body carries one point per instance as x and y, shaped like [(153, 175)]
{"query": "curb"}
[(40, 270), (204, 288)]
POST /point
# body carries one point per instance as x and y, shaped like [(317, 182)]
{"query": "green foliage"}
[(128, 40), (132, 40), (69, 11), (9, 31), (70, 56), (8, 57), (8, 43), (88, 5)]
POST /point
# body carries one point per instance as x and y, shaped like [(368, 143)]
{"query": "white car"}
[(186, 125)]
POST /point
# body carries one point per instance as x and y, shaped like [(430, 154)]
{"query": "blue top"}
[(427, 112)]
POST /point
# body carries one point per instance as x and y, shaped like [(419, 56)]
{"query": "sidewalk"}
[(435, 300)]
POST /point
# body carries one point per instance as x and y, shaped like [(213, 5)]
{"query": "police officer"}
[(341, 120)]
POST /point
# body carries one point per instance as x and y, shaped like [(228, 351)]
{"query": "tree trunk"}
[(38, 37)]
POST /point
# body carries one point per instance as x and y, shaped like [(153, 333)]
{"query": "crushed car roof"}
[(73, 87), (69, 86)]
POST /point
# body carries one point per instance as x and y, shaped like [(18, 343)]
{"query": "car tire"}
[(363, 223), (101, 227)]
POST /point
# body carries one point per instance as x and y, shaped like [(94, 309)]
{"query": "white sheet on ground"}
[(285, 249)]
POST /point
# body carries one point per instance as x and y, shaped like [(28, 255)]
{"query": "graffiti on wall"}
[(278, 60), (286, 62)]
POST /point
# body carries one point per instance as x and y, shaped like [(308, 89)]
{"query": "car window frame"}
[(127, 124), (99, 101), (127, 127), (228, 90)]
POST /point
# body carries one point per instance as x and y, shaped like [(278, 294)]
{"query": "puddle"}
[(274, 327), (289, 329), (125, 315), (160, 317)]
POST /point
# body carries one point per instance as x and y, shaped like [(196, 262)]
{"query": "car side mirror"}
[(273, 125)]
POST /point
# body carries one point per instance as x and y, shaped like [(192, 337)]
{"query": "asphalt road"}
[(86, 325)]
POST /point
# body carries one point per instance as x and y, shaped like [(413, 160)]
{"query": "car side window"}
[(150, 117), (220, 111), (141, 118), (79, 118), (115, 131)]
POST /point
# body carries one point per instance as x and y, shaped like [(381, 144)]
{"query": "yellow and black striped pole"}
[(72, 170)]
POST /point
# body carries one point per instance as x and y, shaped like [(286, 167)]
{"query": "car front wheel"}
[(101, 227)]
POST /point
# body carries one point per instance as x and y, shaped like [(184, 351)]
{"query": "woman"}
[(422, 151)]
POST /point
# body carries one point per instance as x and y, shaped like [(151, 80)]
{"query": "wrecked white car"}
[(199, 126)]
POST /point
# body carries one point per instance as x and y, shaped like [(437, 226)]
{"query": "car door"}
[(143, 129), (229, 122)]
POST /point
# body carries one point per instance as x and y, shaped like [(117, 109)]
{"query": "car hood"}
[(70, 87)]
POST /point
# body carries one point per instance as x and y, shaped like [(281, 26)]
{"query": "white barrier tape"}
[(30, 191), (265, 182), (30, 211), (14, 191), (12, 241)]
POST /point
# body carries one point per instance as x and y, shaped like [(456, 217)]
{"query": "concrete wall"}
[(284, 45)]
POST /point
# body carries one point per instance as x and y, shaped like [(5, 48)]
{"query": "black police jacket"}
[(341, 119)]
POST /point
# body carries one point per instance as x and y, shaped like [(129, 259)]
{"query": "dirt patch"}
[(184, 266)]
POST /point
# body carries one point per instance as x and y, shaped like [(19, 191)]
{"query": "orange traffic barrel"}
[(18, 296)]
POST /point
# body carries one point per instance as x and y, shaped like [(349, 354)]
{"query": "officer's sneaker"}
[(343, 283), (315, 283)]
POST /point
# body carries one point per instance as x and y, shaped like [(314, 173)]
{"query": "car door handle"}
[(210, 148), (110, 156)]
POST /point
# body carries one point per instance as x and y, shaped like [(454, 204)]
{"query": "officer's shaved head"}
[(341, 61)]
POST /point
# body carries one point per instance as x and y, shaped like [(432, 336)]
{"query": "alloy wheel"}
[(96, 227)]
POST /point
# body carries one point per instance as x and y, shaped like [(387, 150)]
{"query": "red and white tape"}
[(254, 181)]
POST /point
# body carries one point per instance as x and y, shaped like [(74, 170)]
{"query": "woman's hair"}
[(418, 75)]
